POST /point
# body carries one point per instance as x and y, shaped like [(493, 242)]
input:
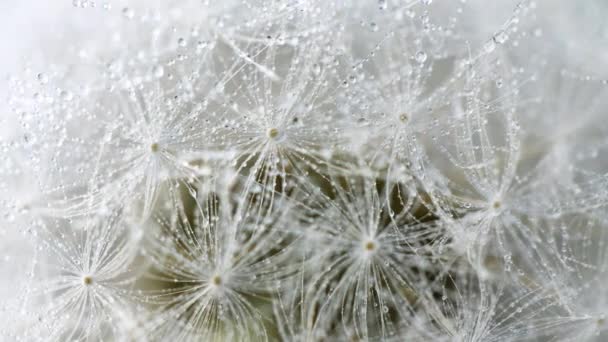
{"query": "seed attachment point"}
[(496, 205), (87, 280), (369, 246), (216, 280), (273, 133)]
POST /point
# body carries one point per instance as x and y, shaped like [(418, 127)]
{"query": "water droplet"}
[(158, 71), (382, 4), (427, 2), (128, 13), (181, 42), (316, 69), (420, 57), (200, 46), (490, 46), (42, 78), (374, 26), (66, 95), (500, 37)]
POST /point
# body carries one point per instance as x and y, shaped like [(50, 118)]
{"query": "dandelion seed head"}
[(308, 171)]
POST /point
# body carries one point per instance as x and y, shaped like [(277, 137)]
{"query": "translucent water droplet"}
[(373, 26), (200, 46), (181, 42), (420, 57), (427, 2), (66, 95), (128, 13), (425, 18), (316, 69), (501, 37), (382, 4), (42, 78), (490, 46), (158, 71)]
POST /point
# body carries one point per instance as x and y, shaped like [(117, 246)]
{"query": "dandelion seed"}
[(81, 279), (214, 258), (361, 246), (484, 311)]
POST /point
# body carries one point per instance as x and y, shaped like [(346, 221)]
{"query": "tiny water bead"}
[(42, 78), (316, 69), (201, 46), (158, 71), (420, 57), (128, 13), (83, 3), (490, 46), (66, 95), (501, 37)]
